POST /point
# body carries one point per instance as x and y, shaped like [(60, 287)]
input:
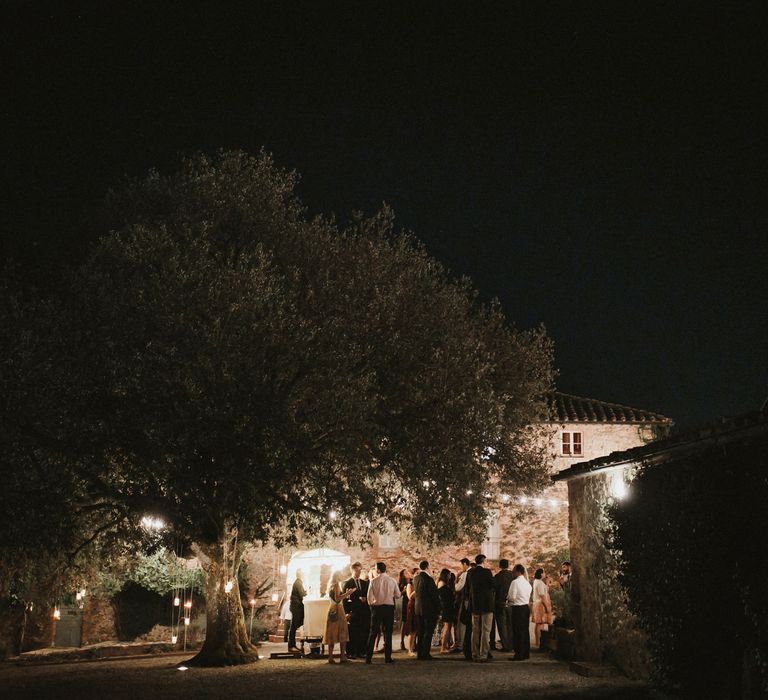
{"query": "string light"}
[(523, 499), (505, 498), (469, 492), (333, 515), (150, 523), (253, 600)]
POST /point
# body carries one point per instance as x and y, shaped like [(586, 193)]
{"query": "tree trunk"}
[(226, 639)]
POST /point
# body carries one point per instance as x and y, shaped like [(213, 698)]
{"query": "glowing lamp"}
[(538, 501), (505, 497), (333, 515), (274, 598), (618, 486), (469, 492), (228, 587), (174, 639), (182, 668), (56, 614), (283, 569), (188, 604), (177, 601), (186, 620)]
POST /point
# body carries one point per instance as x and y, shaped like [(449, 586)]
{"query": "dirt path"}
[(288, 679)]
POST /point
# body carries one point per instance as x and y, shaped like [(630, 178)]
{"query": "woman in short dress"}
[(409, 628), (402, 583), (336, 631), (542, 607), (447, 593)]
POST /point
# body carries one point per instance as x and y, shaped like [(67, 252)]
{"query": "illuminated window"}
[(571, 445)]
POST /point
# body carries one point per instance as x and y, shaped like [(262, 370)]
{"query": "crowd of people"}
[(473, 612)]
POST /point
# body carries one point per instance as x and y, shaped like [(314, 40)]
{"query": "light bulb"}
[(253, 601), (174, 639), (333, 515), (283, 569), (177, 601), (56, 614), (274, 598), (186, 620)]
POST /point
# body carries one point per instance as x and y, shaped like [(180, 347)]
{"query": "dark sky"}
[(599, 169)]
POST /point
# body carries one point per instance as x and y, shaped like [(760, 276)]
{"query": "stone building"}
[(533, 529)]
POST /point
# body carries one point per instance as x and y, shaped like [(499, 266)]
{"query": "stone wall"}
[(606, 631), (98, 620), (533, 534)]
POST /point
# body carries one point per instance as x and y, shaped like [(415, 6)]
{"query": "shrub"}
[(686, 539)]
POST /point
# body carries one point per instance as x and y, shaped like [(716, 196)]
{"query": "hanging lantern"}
[(186, 620), (56, 614), (228, 586), (188, 604), (177, 601), (174, 639)]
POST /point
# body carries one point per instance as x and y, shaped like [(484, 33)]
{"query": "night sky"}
[(599, 171)]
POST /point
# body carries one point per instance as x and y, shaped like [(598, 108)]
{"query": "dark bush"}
[(691, 536), (138, 610)]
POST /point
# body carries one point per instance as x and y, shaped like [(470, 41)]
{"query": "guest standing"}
[(336, 628), (502, 613), (518, 597), (426, 609), (382, 594), (446, 590), (410, 620), (358, 612), (460, 581), (402, 583), (542, 607), (298, 593), (481, 596)]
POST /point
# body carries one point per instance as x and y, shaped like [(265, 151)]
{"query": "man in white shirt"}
[(382, 594), (460, 582), (518, 598)]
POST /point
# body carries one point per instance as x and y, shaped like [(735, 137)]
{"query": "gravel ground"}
[(446, 677)]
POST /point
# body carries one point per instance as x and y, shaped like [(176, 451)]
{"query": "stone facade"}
[(534, 533), (606, 631)]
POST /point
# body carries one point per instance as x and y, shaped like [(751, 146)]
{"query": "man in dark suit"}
[(481, 595), (502, 613), (426, 608), (358, 613)]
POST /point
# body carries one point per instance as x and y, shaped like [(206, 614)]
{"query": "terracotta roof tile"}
[(566, 408)]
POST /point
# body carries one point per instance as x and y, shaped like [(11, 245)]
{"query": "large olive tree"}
[(245, 372)]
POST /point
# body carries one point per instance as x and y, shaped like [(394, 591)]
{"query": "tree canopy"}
[(239, 369)]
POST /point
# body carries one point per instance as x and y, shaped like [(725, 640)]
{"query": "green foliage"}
[(686, 536), (160, 572)]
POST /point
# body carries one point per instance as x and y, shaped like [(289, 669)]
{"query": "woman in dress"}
[(445, 589), (336, 630), (409, 628), (542, 607), (402, 583)]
